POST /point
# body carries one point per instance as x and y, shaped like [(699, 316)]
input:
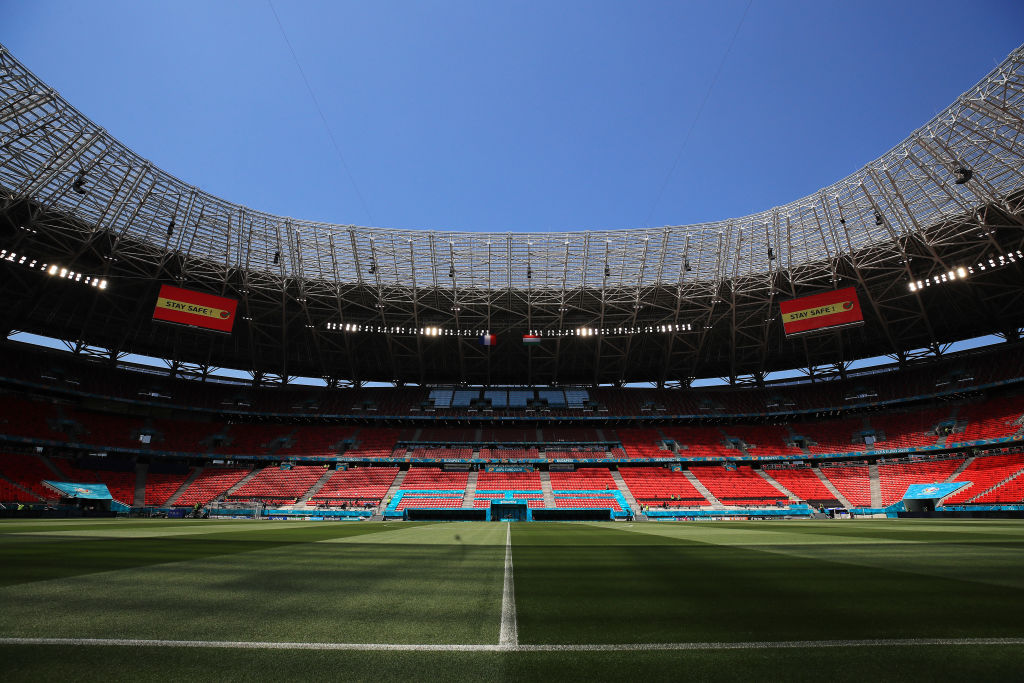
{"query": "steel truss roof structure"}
[(662, 304)]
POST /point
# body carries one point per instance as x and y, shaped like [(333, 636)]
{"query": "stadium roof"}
[(662, 304)]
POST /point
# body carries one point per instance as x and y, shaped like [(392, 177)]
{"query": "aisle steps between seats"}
[(141, 470), (703, 489), (876, 485), (392, 490), (184, 485), (792, 497), (242, 482), (627, 494), (467, 500), (835, 492), (315, 489), (963, 466), (545, 486)]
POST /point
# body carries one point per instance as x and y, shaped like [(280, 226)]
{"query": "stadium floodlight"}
[(963, 174), (771, 254), (277, 257), (878, 219), (170, 229), (78, 185)]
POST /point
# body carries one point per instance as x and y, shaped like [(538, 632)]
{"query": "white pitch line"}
[(508, 638), (611, 647)]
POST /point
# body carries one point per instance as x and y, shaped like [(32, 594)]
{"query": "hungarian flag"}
[(488, 340), (531, 339)]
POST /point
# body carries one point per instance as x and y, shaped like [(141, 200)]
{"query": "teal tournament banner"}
[(70, 489), (929, 491)]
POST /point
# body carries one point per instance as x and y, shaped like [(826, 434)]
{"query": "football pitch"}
[(255, 600)]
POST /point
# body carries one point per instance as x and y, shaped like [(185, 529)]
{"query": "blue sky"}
[(524, 116), (511, 116)]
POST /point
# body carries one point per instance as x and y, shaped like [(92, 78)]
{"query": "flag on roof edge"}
[(531, 339), (488, 340)]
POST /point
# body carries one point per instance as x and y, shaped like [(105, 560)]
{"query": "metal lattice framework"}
[(948, 195)]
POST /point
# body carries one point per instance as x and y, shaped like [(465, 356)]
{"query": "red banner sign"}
[(183, 306), (821, 311)]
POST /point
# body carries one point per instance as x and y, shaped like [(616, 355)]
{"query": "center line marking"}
[(566, 647), (509, 634)]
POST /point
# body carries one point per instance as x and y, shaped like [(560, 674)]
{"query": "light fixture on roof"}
[(277, 257), (878, 219), (373, 267), (451, 271), (963, 174), (529, 273), (771, 254), (78, 185), (607, 271), (686, 264), (170, 228)]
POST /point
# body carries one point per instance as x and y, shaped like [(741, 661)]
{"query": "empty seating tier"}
[(27, 471), (434, 478), (1011, 491), (210, 483), (742, 486), (355, 486), (657, 486), (160, 487), (803, 483), (279, 483), (508, 481), (895, 477), (984, 473), (853, 481), (590, 479)]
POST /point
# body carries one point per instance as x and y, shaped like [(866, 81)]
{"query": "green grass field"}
[(661, 600)]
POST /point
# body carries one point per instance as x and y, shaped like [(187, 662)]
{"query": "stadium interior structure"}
[(543, 420)]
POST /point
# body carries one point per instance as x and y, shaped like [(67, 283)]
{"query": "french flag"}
[(488, 340)]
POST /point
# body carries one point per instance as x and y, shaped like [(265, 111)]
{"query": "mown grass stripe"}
[(568, 647)]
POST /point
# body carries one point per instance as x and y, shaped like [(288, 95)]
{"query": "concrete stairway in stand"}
[(996, 485), (315, 488), (467, 500), (963, 466), (141, 470), (545, 486), (782, 489), (703, 489), (392, 490), (60, 476), (831, 487), (876, 485), (184, 485), (624, 488), (244, 480)]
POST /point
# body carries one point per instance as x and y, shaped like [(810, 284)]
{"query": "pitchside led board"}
[(821, 312), (185, 307)]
